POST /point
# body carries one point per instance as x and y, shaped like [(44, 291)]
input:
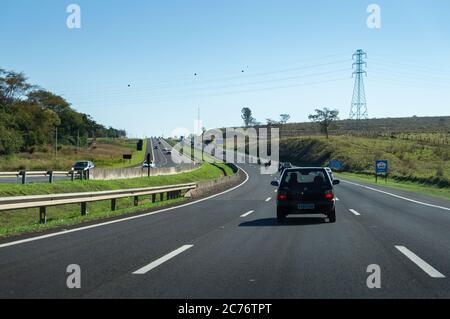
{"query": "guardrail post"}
[(72, 175), (50, 176), (136, 200), (83, 209), (24, 177), (113, 204), (153, 198), (161, 197), (42, 215)]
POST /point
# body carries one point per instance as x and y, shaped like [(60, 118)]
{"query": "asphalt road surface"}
[(160, 157), (231, 246)]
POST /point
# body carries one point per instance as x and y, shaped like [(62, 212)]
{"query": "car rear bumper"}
[(321, 207)]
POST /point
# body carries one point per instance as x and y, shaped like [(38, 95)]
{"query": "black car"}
[(306, 191)]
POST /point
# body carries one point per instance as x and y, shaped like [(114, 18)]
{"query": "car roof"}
[(303, 168)]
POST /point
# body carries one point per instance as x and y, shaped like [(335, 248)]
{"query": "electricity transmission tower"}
[(359, 106)]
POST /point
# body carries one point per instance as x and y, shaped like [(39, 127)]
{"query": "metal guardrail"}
[(50, 174), (43, 201)]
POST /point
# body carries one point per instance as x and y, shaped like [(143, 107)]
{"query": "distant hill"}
[(384, 126)]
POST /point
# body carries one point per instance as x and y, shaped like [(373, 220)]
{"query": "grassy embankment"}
[(25, 221), (413, 166), (105, 153)]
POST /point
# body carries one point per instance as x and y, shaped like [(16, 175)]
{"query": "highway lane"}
[(161, 158), (236, 249)]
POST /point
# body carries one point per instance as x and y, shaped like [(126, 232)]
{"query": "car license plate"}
[(306, 206)]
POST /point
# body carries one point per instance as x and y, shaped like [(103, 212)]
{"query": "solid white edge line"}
[(354, 212), (162, 260), (422, 264), (397, 196), (247, 214), (23, 241)]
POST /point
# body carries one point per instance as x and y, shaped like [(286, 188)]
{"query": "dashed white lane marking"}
[(432, 272), (162, 260), (354, 212), (247, 214), (276, 191), (268, 200), (337, 199), (397, 196)]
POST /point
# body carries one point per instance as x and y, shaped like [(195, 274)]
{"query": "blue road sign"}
[(381, 167), (335, 164)]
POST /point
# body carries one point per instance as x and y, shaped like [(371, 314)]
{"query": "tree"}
[(13, 86), (284, 118), (272, 122), (247, 116), (29, 115), (325, 118)]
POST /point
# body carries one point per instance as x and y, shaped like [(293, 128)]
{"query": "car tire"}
[(332, 216), (281, 216)]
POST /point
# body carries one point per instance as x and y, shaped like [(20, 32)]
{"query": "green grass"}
[(137, 158), (24, 221), (406, 186), (408, 160)]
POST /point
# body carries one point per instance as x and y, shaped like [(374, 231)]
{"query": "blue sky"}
[(296, 56)]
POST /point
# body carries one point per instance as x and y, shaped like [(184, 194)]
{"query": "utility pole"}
[(198, 121), (56, 141), (358, 109), (78, 141)]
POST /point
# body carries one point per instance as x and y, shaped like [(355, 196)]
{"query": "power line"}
[(189, 80), (217, 87), (146, 100)]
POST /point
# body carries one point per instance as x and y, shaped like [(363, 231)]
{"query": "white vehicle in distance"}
[(83, 166), (146, 165)]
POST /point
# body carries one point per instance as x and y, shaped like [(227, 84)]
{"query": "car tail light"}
[(282, 197), (329, 195)]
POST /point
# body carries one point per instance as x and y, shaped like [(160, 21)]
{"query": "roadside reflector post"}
[(50, 177), (136, 200), (113, 204), (42, 215), (153, 198), (83, 209)]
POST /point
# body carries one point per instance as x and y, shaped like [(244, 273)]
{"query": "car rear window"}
[(301, 178), (81, 164)]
